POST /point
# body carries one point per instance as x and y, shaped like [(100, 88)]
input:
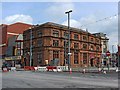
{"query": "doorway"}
[(91, 62)]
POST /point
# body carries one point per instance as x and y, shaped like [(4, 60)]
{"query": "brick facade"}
[(3, 39), (48, 41)]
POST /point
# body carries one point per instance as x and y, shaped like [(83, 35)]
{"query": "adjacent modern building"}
[(11, 41), (105, 48), (47, 44)]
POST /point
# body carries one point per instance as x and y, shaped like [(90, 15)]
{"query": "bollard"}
[(99, 70), (104, 72), (84, 71), (36, 68), (117, 70)]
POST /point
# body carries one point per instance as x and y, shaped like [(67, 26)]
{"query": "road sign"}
[(107, 53)]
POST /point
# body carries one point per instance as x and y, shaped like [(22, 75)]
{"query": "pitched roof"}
[(18, 27)]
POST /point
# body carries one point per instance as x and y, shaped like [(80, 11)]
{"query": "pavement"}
[(94, 69), (20, 69), (76, 79), (28, 79), (87, 70)]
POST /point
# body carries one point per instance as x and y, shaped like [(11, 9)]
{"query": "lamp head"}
[(68, 11)]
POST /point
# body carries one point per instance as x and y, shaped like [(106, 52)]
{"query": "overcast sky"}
[(84, 13)]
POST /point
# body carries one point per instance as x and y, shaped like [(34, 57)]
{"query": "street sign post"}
[(108, 54)]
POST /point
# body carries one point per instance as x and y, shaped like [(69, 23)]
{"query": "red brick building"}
[(48, 43)]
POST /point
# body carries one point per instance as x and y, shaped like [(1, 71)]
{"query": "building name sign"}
[(13, 58)]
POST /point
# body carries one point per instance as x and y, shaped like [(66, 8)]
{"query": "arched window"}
[(92, 40), (84, 38), (97, 48), (85, 46), (97, 41), (75, 57), (91, 47)]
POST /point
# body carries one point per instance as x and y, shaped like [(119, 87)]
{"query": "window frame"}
[(76, 37), (91, 47), (56, 43), (55, 33), (55, 54), (84, 45), (66, 35), (76, 59), (84, 38), (67, 43), (39, 57), (85, 58), (97, 48), (76, 45)]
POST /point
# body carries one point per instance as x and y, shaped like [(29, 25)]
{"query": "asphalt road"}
[(28, 79)]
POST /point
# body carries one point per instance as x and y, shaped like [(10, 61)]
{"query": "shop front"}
[(13, 61)]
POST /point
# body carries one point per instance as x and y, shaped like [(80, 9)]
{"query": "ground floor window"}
[(55, 54), (84, 58), (39, 57), (75, 57)]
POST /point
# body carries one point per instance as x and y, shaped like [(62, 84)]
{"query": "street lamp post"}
[(69, 62), (31, 47)]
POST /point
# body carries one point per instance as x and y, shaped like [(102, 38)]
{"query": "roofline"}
[(20, 23), (10, 33), (64, 26)]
